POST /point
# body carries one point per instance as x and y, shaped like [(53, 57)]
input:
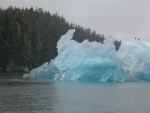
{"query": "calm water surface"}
[(18, 95)]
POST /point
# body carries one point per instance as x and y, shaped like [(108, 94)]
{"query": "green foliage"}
[(28, 37), (81, 34), (117, 44)]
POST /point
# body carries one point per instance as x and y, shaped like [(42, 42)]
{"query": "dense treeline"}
[(28, 37)]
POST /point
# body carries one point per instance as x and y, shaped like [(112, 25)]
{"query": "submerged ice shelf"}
[(96, 62)]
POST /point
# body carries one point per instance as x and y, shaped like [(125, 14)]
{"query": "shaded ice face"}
[(135, 57)]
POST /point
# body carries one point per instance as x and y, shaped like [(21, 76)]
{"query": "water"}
[(18, 95)]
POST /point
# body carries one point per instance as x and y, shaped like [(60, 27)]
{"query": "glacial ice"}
[(96, 62), (135, 58)]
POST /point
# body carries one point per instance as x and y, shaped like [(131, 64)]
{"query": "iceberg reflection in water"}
[(96, 62)]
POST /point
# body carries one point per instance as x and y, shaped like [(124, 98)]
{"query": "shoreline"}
[(11, 73)]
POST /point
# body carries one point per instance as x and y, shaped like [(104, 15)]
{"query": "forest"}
[(28, 37)]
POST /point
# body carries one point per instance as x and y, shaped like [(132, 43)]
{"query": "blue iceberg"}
[(96, 62), (134, 57)]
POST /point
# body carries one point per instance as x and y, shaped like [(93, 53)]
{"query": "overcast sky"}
[(121, 19)]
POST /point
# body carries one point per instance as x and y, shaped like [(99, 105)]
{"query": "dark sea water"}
[(18, 95)]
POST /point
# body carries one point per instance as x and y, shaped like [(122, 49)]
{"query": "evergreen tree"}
[(117, 44), (29, 37)]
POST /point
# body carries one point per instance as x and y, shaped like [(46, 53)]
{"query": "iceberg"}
[(135, 58), (96, 62)]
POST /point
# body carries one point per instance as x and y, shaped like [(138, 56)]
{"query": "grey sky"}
[(121, 19)]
